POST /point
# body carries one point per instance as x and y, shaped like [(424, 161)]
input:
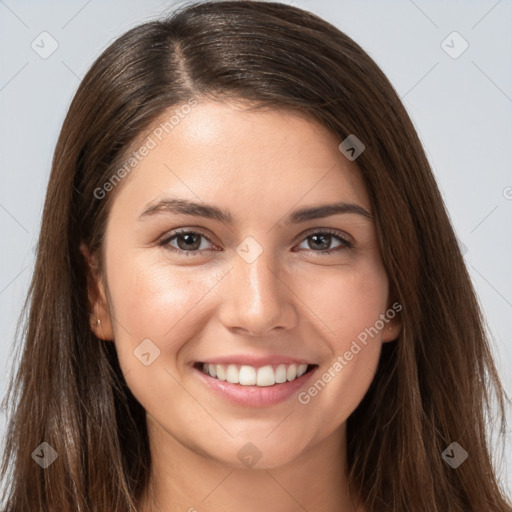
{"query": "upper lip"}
[(255, 361)]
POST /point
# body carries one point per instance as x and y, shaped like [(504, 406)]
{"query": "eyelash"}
[(164, 241)]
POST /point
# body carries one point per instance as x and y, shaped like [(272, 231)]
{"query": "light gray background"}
[(462, 109)]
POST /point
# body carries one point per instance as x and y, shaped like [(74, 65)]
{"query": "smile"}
[(246, 375), (262, 385)]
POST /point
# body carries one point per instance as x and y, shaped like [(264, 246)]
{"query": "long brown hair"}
[(434, 384)]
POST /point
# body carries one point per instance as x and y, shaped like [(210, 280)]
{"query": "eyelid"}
[(331, 231)]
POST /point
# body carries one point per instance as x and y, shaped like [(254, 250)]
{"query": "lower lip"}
[(255, 396)]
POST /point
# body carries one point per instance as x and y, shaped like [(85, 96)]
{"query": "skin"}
[(291, 300)]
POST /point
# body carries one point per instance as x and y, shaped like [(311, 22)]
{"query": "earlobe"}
[(100, 322), (99, 331), (393, 327), (392, 330)]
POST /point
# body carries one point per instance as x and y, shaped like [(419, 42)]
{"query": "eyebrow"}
[(184, 206)]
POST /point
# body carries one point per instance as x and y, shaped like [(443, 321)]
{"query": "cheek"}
[(348, 306), (338, 388), (167, 307), (155, 302), (346, 300)]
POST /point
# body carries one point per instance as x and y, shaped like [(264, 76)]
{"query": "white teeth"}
[(220, 371), (301, 369), (266, 376), (281, 374), (233, 374), (249, 376)]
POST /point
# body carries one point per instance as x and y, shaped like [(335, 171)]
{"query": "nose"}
[(256, 299)]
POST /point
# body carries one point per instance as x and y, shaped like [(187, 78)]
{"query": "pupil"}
[(189, 244), (325, 237)]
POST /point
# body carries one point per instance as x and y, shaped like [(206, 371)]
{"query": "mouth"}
[(270, 375)]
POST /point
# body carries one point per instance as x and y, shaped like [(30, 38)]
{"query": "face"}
[(244, 283)]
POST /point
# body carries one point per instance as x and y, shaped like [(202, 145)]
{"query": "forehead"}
[(217, 151)]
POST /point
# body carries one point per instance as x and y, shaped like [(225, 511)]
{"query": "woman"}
[(190, 346)]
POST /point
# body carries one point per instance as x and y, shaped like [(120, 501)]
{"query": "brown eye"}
[(187, 242), (321, 241)]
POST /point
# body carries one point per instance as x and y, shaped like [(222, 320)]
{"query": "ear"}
[(97, 296), (393, 327)]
